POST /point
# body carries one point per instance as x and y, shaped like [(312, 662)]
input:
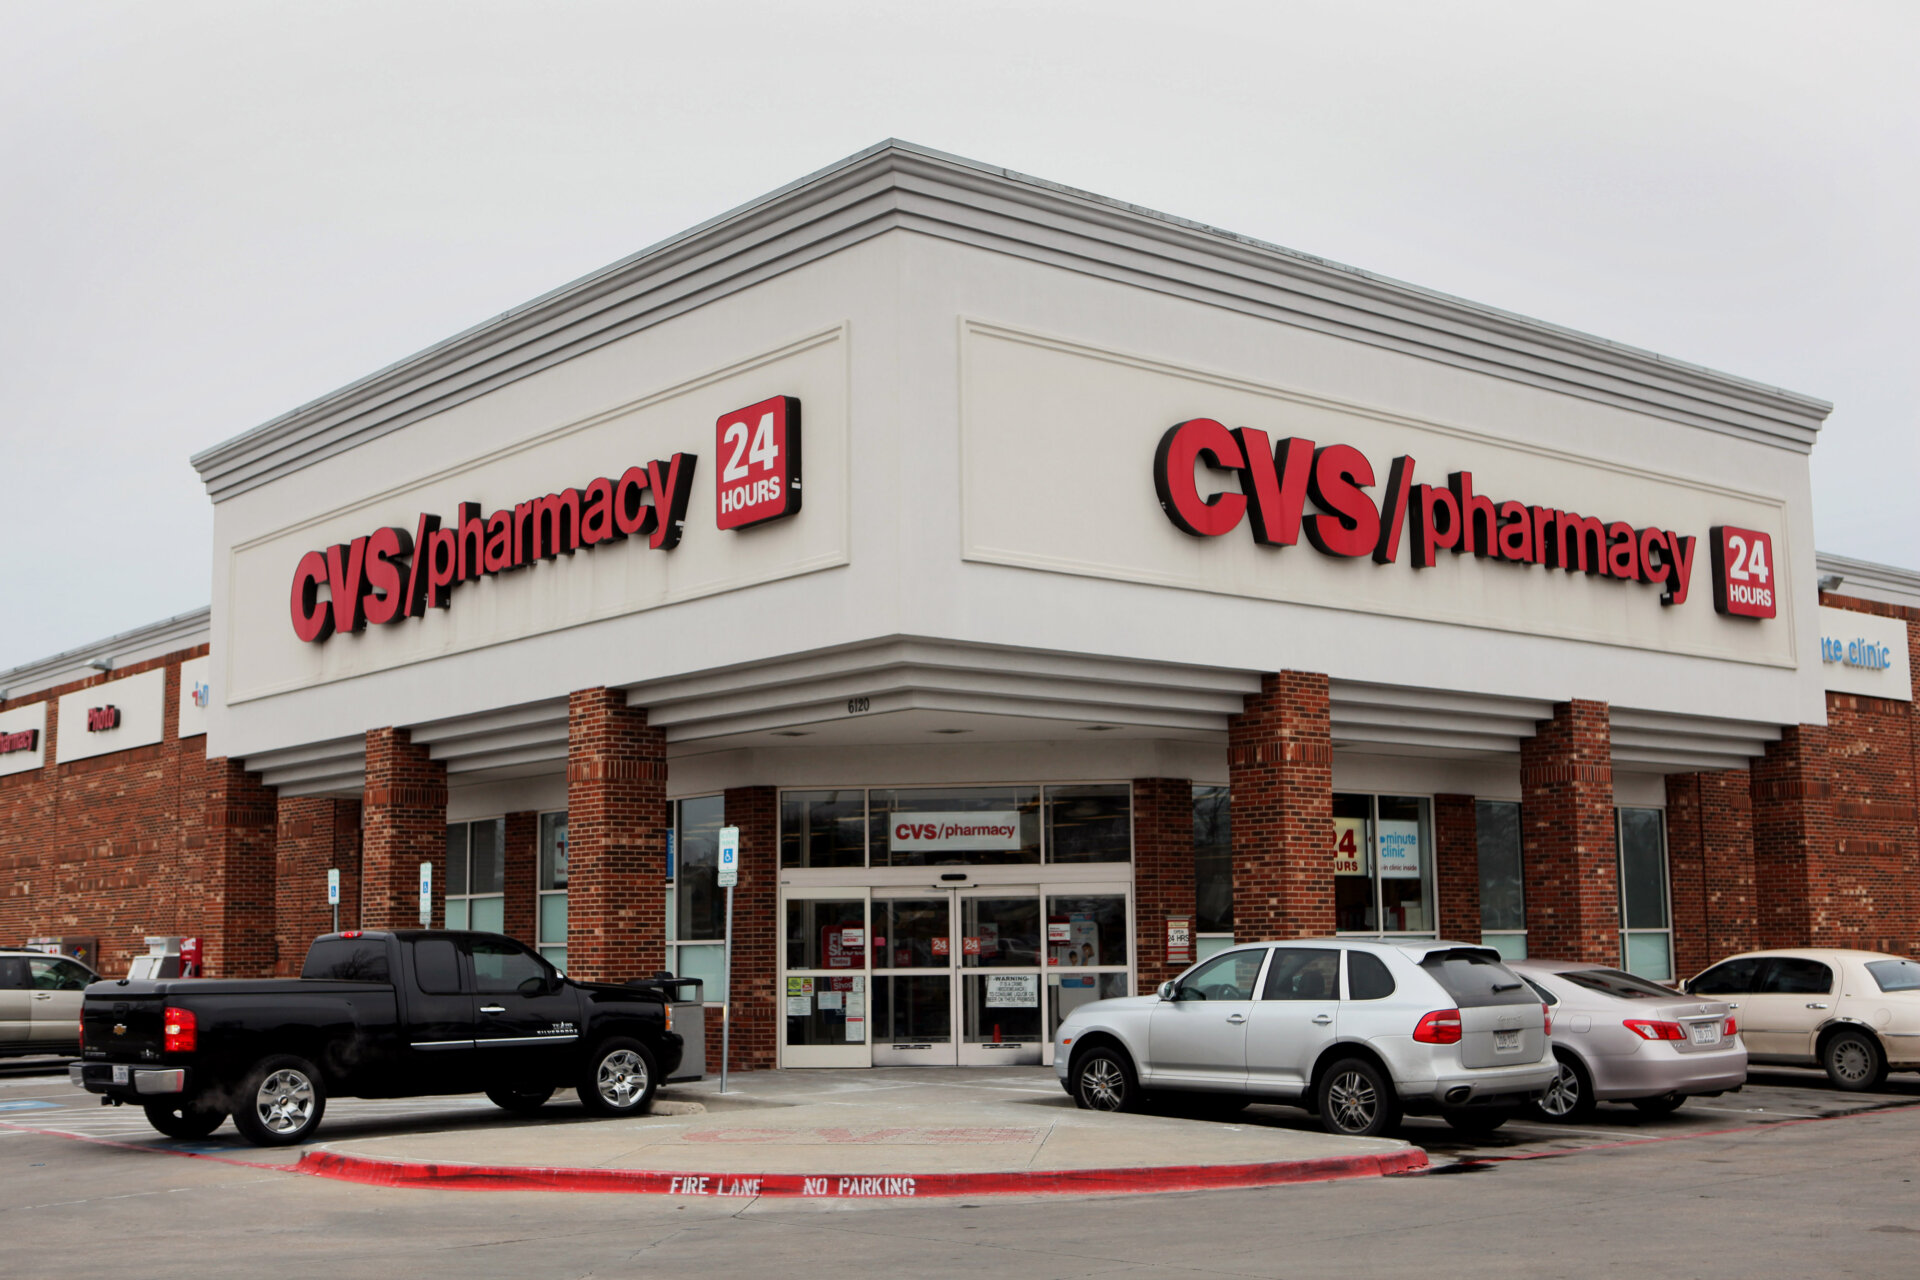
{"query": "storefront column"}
[(1280, 768), (404, 823), (616, 839), (316, 835), (1456, 849), (521, 867), (236, 892), (1793, 840), (1568, 855), (1710, 866), (755, 966), (1163, 875)]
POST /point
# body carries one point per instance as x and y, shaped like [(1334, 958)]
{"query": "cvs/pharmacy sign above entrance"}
[(1277, 481), (391, 574)]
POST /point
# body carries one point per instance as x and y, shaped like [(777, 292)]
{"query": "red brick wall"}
[(1162, 873), (404, 824), (1568, 854), (616, 833), (1793, 838), (756, 968), (237, 893), (112, 847), (1280, 768), (1457, 867), (316, 835), (1710, 866), (522, 871)]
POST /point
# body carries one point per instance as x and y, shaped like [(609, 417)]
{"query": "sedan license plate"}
[(1506, 1041), (1706, 1033), (119, 1075)]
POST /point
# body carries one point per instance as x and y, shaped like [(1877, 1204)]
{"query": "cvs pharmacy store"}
[(1047, 591)]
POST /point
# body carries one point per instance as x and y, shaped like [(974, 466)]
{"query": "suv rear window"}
[(1476, 978), (347, 960), (1612, 982), (1895, 975)]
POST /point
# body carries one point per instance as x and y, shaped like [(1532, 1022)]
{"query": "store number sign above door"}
[(390, 575)]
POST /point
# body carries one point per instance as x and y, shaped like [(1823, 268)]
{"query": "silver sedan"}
[(1619, 1038)]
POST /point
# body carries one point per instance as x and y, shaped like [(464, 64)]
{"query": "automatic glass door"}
[(957, 977)]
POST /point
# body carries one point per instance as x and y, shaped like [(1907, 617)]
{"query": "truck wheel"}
[(280, 1101), (618, 1080), (184, 1120), (522, 1099)]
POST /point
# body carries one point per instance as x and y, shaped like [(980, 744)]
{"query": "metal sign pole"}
[(726, 1012)]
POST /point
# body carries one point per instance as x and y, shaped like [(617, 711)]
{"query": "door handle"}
[(1323, 1020), (1816, 1006), (1236, 1018), (43, 995), (493, 1008)]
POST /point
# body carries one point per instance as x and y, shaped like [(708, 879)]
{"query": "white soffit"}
[(337, 767), (1379, 719), (1661, 742)]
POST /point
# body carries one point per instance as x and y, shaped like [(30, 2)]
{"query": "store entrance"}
[(957, 976)]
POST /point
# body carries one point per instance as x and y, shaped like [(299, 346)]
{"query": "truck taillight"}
[(1648, 1029), (669, 1008), (1442, 1026), (182, 1031)]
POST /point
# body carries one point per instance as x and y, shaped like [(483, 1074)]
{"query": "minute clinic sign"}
[(1277, 481), (390, 575)]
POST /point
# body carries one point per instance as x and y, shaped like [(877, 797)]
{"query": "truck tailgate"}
[(123, 1027)]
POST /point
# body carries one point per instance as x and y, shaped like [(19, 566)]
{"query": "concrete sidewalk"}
[(900, 1131)]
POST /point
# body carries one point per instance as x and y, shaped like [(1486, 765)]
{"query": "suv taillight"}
[(1442, 1026), (1648, 1029), (1546, 1012), (182, 1031)]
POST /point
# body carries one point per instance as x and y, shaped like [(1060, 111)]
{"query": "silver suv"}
[(1356, 1031)]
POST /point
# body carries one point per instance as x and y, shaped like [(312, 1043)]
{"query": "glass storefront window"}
[(699, 904), (1086, 930), (1383, 864), (551, 927), (1646, 941), (955, 826), (1212, 861), (477, 875), (1503, 903), (1090, 823), (823, 828), (1000, 933)]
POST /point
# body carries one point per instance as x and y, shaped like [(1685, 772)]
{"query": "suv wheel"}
[(1853, 1061), (1570, 1097), (280, 1101), (618, 1080), (1357, 1099), (184, 1120), (1103, 1080)]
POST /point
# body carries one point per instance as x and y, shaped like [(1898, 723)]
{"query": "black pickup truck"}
[(372, 1015)]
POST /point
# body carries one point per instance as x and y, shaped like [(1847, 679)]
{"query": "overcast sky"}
[(212, 213)]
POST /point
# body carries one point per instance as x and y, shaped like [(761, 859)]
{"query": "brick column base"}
[(1280, 766), (1162, 873), (1710, 866), (617, 823), (1793, 840), (316, 835), (1568, 856), (1456, 849), (237, 886), (403, 824), (757, 1017)]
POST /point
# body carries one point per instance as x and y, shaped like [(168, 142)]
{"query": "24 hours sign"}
[(759, 472)]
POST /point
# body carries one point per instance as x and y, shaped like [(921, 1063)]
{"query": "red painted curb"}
[(1199, 1177)]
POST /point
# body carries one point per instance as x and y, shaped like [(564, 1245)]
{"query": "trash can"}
[(686, 1003)]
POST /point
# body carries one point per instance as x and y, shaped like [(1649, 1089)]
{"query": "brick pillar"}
[(1280, 767), (316, 835), (616, 839), (1456, 850), (404, 823), (1568, 852), (1793, 844), (236, 938), (755, 966), (1162, 873), (522, 871), (1710, 866)]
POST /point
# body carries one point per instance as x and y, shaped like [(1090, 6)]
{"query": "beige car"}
[(40, 1002), (1854, 1013)]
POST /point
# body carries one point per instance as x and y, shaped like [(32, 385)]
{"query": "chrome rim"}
[(1851, 1061), (285, 1101), (1352, 1101), (622, 1078), (1563, 1095), (1102, 1085)]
